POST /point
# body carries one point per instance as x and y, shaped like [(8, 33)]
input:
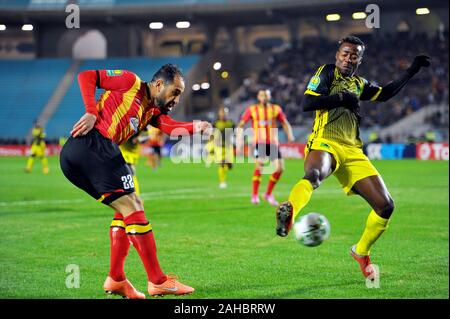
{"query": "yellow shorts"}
[(352, 164), (131, 158), (38, 150)]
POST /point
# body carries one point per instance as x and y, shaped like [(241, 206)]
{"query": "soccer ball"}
[(312, 229)]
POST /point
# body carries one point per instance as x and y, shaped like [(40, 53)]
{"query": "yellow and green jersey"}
[(38, 136), (131, 145), (222, 136), (338, 124)]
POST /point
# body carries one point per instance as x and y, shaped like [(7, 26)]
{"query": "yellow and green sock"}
[(30, 162), (223, 173), (375, 227), (44, 162), (300, 196)]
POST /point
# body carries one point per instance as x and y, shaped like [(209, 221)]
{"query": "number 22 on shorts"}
[(127, 181)]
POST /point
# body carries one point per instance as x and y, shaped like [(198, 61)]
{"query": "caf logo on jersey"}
[(134, 123), (114, 72), (314, 83)]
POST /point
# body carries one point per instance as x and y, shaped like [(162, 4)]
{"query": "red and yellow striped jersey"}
[(124, 108), (264, 122)]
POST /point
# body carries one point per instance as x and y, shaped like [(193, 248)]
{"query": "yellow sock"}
[(300, 196), (222, 173), (136, 185), (30, 163), (44, 162), (375, 226)]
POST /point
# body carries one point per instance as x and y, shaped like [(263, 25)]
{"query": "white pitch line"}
[(74, 201), (40, 202), (182, 193)]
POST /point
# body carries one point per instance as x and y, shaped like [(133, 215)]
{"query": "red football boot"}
[(364, 263), (122, 288)]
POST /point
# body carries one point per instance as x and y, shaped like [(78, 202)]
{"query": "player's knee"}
[(128, 204), (139, 201), (313, 176), (386, 210), (279, 169)]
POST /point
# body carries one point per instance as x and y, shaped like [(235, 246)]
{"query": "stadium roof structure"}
[(208, 11)]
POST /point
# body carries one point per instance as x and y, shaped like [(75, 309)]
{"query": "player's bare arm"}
[(288, 130)]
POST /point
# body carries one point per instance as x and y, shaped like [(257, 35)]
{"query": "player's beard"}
[(162, 105)]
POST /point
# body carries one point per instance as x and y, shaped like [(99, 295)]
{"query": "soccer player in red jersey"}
[(91, 160), (265, 117)]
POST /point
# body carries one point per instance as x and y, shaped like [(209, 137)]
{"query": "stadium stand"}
[(26, 87), (71, 107)]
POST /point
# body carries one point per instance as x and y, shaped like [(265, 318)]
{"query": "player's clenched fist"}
[(420, 61), (84, 125), (203, 127)]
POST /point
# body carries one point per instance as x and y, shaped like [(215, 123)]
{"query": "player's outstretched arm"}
[(166, 124), (391, 89), (345, 99)]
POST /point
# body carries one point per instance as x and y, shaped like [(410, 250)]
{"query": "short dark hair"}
[(353, 40), (167, 73)]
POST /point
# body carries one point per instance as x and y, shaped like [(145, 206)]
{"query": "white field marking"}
[(181, 193), (74, 201), (200, 196), (40, 202)]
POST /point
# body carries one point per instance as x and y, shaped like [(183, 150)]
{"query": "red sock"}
[(256, 181), (140, 233), (273, 180), (119, 247)]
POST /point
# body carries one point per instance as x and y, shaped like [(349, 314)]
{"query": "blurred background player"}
[(334, 146), (265, 117), (223, 145), (37, 149), (92, 161), (156, 142)]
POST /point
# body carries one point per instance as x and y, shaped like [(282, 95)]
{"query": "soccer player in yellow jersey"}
[(334, 146), (37, 149), (265, 117), (223, 145), (130, 152)]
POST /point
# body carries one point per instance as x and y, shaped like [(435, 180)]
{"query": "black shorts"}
[(156, 150), (264, 151), (96, 165)]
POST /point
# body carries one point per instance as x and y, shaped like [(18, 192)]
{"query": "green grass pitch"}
[(219, 243)]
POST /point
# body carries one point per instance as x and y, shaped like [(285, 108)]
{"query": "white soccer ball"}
[(312, 229)]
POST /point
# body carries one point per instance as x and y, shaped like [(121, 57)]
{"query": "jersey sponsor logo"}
[(324, 145), (262, 123), (314, 83), (134, 123), (114, 72)]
